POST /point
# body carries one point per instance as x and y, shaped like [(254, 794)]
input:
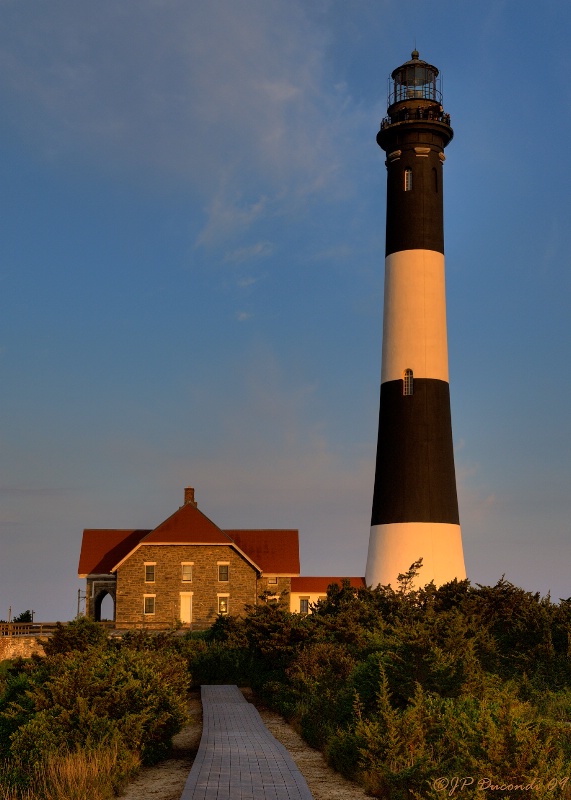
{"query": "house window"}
[(304, 605), (223, 570), (149, 604), (408, 180), (223, 603), (272, 580), (150, 573), (407, 382), (186, 572)]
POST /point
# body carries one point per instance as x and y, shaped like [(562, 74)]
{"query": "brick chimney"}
[(189, 497)]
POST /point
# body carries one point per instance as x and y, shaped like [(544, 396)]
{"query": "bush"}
[(101, 697), (81, 634)]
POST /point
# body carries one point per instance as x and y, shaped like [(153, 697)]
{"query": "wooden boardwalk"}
[(238, 758)]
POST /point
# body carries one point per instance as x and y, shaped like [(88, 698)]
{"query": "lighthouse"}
[(415, 505)]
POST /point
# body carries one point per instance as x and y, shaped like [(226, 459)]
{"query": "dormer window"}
[(407, 382)]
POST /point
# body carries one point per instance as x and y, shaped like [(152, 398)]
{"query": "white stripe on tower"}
[(415, 507), (414, 321)]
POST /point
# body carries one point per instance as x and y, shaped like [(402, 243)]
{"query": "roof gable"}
[(276, 551), (188, 525)]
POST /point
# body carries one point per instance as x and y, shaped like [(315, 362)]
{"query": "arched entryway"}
[(104, 606)]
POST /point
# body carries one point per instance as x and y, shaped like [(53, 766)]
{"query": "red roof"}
[(275, 551), (320, 584), (188, 525), (102, 549)]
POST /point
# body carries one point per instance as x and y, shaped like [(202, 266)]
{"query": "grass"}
[(97, 775)]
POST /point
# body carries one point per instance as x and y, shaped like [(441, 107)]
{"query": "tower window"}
[(407, 382), (408, 180)]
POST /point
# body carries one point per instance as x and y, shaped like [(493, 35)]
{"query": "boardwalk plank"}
[(238, 758)]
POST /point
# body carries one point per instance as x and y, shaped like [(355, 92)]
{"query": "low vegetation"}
[(415, 694), (458, 691), (87, 714)]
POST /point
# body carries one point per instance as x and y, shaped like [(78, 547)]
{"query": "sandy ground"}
[(167, 779)]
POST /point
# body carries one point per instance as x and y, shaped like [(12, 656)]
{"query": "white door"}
[(186, 607)]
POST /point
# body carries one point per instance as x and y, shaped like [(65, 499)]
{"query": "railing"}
[(47, 628), (27, 628), (409, 114), (37, 628)]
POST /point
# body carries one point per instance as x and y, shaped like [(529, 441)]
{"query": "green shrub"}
[(218, 664), (402, 687), (98, 697), (80, 634)]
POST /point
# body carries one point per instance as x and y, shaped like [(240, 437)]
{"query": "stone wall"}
[(282, 589), (20, 646), (168, 585)]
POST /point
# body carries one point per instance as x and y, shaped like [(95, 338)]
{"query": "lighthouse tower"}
[(415, 507)]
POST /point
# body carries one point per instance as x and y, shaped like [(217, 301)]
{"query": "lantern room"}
[(415, 80)]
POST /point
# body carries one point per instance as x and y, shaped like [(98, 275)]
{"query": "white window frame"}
[(152, 564), (273, 580), (184, 564), (304, 600), (153, 598), (221, 597), (223, 564)]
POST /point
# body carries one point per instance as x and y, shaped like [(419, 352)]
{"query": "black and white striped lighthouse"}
[(415, 506)]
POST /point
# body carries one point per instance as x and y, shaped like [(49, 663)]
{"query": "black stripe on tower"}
[(415, 479), (414, 217)]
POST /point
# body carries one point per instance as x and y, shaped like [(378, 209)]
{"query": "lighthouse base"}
[(394, 548)]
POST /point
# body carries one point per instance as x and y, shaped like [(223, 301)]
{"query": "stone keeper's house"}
[(187, 571)]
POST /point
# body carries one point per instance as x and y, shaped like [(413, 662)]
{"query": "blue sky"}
[(191, 275)]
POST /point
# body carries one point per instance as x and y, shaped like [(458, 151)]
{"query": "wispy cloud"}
[(249, 253), (245, 283), (227, 215), (219, 95)]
